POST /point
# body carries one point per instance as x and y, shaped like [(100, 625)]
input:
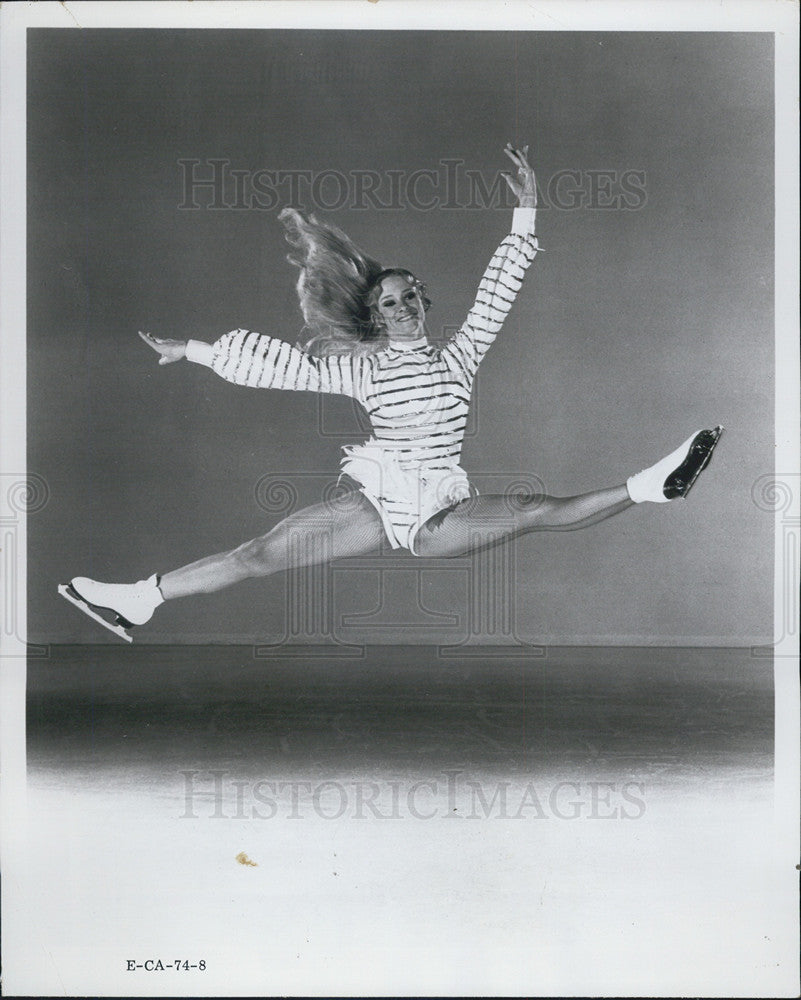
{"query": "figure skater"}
[(367, 339)]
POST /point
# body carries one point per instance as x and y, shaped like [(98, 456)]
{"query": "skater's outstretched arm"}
[(255, 359), (504, 275)]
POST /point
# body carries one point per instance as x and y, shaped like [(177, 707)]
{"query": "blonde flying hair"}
[(338, 287)]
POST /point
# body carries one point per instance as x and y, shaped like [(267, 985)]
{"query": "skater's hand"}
[(170, 350), (525, 187)]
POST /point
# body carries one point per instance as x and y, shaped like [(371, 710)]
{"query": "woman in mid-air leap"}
[(368, 341)]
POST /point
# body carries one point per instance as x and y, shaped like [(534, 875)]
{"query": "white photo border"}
[(780, 19)]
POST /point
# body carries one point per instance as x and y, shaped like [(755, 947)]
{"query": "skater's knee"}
[(254, 558), (537, 508)]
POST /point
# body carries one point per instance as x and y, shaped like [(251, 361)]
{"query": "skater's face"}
[(401, 308)]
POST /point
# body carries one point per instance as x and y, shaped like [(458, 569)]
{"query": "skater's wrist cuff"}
[(200, 352), (523, 221)]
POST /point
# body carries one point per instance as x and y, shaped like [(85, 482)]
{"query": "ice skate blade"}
[(681, 480), (71, 596)]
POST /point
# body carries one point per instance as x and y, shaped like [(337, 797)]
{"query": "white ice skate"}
[(130, 603), (675, 475)]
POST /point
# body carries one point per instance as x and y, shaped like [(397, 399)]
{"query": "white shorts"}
[(405, 495)]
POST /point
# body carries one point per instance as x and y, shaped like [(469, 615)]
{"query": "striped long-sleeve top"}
[(416, 396)]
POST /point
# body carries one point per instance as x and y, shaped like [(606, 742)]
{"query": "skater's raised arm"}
[(504, 275), (258, 360)]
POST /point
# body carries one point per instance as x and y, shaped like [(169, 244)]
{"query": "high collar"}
[(408, 345)]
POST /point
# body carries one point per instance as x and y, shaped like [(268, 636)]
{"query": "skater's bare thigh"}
[(348, 525), (467, 527)]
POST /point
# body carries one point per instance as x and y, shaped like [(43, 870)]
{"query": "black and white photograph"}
[(400, 499)]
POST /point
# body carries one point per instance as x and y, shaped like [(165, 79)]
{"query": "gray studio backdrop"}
[(649, 315)]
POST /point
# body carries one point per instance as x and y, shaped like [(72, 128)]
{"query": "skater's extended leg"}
[(348, 526), (485, 520)]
